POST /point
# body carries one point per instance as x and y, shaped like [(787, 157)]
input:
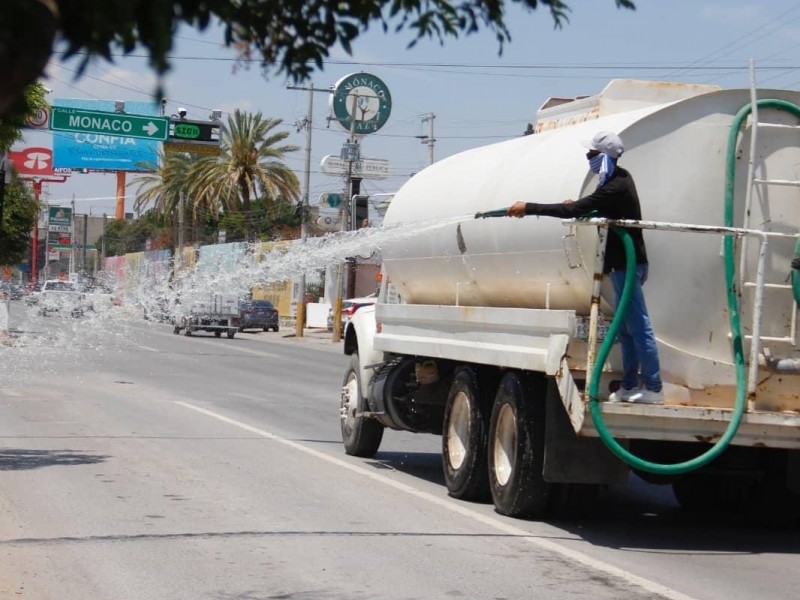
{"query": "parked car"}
[(349, 307), (258, 314)]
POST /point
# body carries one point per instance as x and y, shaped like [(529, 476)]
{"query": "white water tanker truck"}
[(486, 331)]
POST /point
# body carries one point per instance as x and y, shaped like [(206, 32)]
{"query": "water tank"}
[(676, 142)]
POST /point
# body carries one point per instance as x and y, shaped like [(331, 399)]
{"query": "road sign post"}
[(366, 168), (107, 123)]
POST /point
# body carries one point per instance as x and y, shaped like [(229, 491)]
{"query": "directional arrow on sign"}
[(151, 128)]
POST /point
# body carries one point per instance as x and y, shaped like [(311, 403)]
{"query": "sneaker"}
[(645, 396), (622, 394)]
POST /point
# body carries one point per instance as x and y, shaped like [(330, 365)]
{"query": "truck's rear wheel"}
[(516, 448), (361, 436), (466, 470)]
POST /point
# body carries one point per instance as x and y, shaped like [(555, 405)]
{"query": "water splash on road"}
[(40, 344)]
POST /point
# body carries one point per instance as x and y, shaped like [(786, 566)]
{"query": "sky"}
[(477, 97)]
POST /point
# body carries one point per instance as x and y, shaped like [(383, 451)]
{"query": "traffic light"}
[(361, 211)]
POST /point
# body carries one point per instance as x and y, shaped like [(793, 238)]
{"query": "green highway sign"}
[(187, 131), (108, 123), (206, 132)]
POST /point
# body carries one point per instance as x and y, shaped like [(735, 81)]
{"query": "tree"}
[(19, 216), (268, 220), (163, 188), (292, 36), (32, 99), (27, 29), (123, 236), (249, 166)]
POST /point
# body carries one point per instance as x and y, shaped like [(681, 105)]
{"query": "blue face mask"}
[(595, 162)]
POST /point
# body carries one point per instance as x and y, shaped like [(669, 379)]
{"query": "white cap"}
[(607, 143)]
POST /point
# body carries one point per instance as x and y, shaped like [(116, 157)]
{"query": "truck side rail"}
[(603, 224)]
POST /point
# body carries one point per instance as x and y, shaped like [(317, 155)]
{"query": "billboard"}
[(104, 152), (59, 227)]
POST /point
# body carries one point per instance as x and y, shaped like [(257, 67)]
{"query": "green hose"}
[(733, 309), (594, 405), (796, 273)]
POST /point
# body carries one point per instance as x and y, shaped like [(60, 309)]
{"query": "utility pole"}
[(103, 246), (85, 240), (179, 249), (37, 193), (300, 319), (72, 240), (429, 139), (300, 313), (352, 187), (47, 246)]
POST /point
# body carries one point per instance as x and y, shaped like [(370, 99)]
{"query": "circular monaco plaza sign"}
[(361, 103)]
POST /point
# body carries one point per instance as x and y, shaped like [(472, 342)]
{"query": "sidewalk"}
[(320, 337)]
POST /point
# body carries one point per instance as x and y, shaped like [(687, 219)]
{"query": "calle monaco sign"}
[(107, 123), (366, 168)]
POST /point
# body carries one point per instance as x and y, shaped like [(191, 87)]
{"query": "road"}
[(138, 464)]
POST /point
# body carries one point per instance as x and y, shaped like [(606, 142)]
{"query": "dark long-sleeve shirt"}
[(617, 199)]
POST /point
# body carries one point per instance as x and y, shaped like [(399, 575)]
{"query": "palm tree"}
[(249, 166), (162, 188)]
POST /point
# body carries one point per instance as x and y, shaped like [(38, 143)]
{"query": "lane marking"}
[(148, 348), (572, 555), (245, 396)]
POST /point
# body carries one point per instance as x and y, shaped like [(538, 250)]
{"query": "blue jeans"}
[(636, 337)]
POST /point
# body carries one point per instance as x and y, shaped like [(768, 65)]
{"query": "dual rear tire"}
[(464, 434), (496, 449), (516, 447)]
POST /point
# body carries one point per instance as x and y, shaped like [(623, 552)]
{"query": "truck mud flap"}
[(569, 458)]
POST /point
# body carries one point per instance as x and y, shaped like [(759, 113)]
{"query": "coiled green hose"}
[(733, 310), (594, 404)]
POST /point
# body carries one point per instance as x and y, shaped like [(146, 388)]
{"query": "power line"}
[(735, 44), (451, 65)]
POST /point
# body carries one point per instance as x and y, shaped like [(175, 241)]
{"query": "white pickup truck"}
[(61, 296)]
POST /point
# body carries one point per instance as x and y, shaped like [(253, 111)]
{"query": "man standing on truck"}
[(616, 198)]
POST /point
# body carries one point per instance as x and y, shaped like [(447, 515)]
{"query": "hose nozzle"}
[(499, 212)]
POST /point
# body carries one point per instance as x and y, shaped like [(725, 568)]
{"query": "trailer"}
[(486, 331), (215, 313)]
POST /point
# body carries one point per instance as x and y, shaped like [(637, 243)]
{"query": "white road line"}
[(572, 555), (148, 348), (246, 397)]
